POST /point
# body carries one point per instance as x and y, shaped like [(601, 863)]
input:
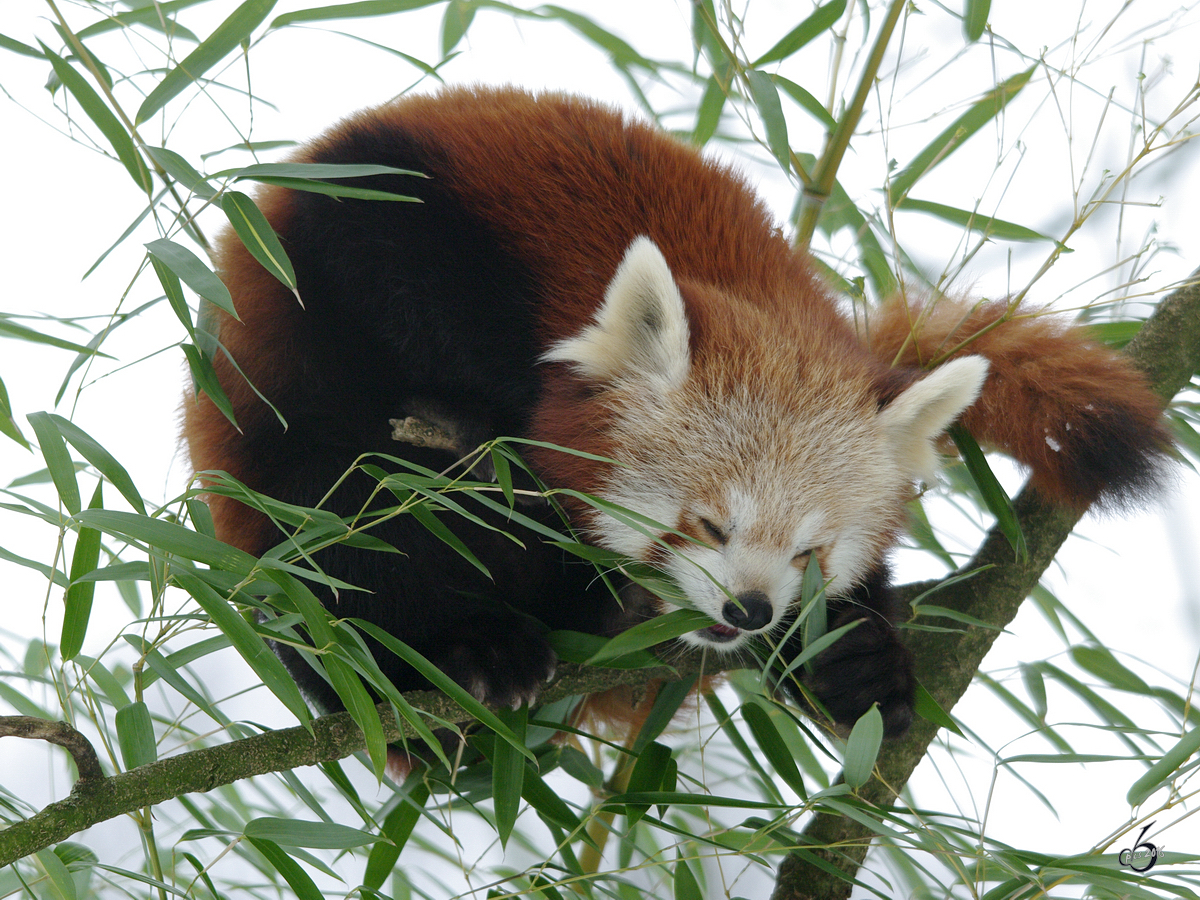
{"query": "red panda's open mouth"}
[(720, 634)]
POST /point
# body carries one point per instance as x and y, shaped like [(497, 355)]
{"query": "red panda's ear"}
[(640, 332), (914, 419)]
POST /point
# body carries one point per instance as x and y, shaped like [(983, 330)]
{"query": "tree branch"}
[(1168, 349)]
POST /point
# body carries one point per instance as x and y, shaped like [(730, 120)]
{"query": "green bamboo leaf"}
[(102, 460), (623, 54), (297, 879), (135, 735), (248, 643), (766, 99), (647, 775), (101, 676), (228, 35), (997, 501), (313, 171), (314, 835), (102, 117), (805, 101), (822, 19), (577, 647), (928, 708), (158, 16), (206, 381), (774, 748), (11, 329), (435, 526), (61, 884), (862, 748), (169, 538), (549, 805), (8, 425), (981, 112), (58, 460), (965, 218), (173, 290), (79, 595), (928, 609), (363, 9), (1162, 771), (445, 684), (684, 880), (508, 773), (397, 827), (334, 190), (708, 115), (193, 272), (455, 21), (651, 632), (258, 236), (975, 18), (671, 696), (1100, 662), (181, 170), (15, 46)]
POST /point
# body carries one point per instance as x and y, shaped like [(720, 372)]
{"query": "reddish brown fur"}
[(1048, 382)]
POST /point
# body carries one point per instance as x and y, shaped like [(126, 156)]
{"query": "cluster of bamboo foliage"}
[(203, 797)]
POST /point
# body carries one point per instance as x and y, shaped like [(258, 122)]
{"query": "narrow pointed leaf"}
[(182, 171), (975, 18), (8, 425), (258, 236), (362, 9), (1160, 773), (508, 773), (104, 461), (997, 501), (773, 747), (192, 272), (766, 99), (685, 884), (397, 828), (207, 382), (289, 870), (135, 735), (102, 117), (655, 631), (965, 218), (822, 19), (956, 134), (315, 835), (79, 595), (862, 748), (58, 460), (228, 35)]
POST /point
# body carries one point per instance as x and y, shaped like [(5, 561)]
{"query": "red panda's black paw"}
[(869, 665), (501, 662)]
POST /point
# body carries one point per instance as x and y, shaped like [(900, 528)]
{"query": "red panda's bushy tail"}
[(1078, 414)]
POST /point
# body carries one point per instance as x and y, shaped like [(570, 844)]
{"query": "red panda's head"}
[(755, 438)]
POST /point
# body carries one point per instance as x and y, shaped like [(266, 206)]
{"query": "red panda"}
[(581, 279)]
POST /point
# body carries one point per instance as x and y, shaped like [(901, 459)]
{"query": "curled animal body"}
[(580, 279)]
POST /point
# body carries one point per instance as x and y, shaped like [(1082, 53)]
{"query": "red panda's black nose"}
[(750, 612)]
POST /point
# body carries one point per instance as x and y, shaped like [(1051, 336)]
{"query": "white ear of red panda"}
[(914, 420), (640, 331)]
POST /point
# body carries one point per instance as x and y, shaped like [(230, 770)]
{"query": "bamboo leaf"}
[(992, 227), (314, 835), (248, 643), (975, 18), (862, 748), (363, 9), (58, 460), (297, 879), (766, 99), (997, 501), (821, 20), (206, 381), (228, 35), (8, 425), (508, 773), (79, 594), (104, 462), (685, 884), (956, 134), (192, 272), (11, 329), (771, 742), (1161, 772), (102, 117), (135, 735), (651, 632), (258, 236), (182, 171), (396, 827), (647, 775)]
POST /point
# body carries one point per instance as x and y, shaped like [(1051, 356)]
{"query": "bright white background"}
[(1135, 581)]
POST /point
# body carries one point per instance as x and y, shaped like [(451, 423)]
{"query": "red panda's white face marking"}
[(759, 466)]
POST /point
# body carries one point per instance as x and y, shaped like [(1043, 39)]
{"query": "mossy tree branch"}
[(1168, 349)]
